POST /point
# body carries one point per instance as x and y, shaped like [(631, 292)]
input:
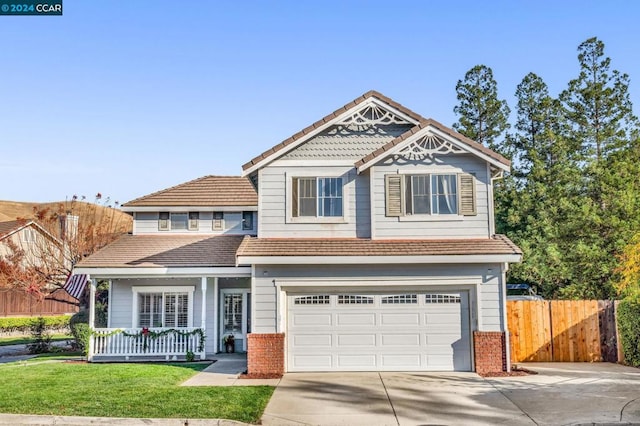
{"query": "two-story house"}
[(369, 246)]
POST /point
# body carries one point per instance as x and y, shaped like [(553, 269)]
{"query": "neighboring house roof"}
[(9, 228), (210, 191), (266, 247), (319, 130), (281, 147), (131, 251), (384, 150)]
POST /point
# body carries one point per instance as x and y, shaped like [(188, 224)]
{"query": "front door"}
[(235, 317)]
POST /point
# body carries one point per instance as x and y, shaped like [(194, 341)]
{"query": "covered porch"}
[(167, 298), (168, 318)]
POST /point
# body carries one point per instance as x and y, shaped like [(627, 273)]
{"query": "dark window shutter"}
[(467, 194), (294, 197), (393, 195)]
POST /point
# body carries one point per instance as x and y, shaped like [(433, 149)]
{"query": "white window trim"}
[(432, 217), (346, 186), (189, 289)]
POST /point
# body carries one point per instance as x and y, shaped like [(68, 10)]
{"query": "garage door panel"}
[(312, 340), (399, 319), (312, 361), (408, 361), (369, 332), (400, 339), (359, 361), (442, 318), (349, 340), (441, 339), (443, 361), (301, 319), (355, 319)]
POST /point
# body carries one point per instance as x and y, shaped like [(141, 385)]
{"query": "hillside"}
[(122, 222)]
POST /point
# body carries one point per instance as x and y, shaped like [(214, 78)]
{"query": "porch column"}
[(203, 324), (216, 315), (92, 315), (109, 304)]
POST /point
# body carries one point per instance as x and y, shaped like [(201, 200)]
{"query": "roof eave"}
[(364, 259)]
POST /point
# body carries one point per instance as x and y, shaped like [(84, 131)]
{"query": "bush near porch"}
[(124, 390)]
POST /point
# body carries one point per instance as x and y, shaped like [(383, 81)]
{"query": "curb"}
[(40, 420)]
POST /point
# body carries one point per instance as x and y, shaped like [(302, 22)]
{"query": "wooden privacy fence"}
[(562, 330), (14, 302)]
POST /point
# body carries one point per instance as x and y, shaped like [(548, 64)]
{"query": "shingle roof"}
[(498, 244), (10, 226), (131, 251), (424, 124), (324, 120), (213, 191)]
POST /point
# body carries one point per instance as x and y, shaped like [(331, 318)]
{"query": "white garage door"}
[(379, 332)]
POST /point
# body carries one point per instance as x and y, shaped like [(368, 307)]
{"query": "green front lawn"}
[(124, 390)]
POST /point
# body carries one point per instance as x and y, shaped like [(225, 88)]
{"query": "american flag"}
[(75, 285)]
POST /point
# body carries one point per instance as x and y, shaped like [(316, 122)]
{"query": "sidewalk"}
[(33, 420), (226, 371)]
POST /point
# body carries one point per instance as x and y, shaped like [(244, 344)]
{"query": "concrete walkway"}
[(561, 394), (226, 371)]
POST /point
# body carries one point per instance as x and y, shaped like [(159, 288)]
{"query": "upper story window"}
[(194, 218), (218, 221), (164, 221), (317, 197), (247, 221), (430, 194), (178, 221), (28, 235)]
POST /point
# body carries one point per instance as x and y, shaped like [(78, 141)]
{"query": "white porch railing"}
[(112, 342)]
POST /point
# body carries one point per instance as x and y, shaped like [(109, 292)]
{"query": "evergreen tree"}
[(536, 194), (602, 129), (483, 117)]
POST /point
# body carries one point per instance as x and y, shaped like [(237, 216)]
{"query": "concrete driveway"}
[(562, 393)]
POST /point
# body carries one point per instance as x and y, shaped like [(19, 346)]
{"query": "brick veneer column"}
[(490, 351), (265, 354)]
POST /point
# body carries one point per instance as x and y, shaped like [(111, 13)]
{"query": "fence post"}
[(551, 337)]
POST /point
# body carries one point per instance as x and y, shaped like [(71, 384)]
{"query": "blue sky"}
[(126, 98)]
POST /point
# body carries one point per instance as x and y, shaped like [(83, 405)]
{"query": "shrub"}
[(24, 323), (79, 325), (629, 329), (41, 336)]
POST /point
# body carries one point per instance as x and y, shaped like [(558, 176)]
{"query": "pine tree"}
[(602, 128), (535, 196), (482, 116)]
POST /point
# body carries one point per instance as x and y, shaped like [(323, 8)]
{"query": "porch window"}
[(163, 310)]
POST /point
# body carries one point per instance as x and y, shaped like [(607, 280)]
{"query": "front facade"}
[(371, 248)]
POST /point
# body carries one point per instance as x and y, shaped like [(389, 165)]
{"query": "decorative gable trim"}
[(370, 109), (428, 139)]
